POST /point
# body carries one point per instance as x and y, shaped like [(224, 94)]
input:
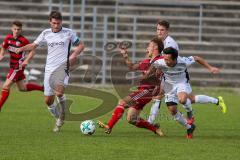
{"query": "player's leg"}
[(155, 106), (183, 92), (207, 99), (61, 98), (33, 87), (52, 106), (134, 119), (116, 115), (178, 116), (28, 87), (50, 97), (5, 91), (187, 105), (154, 110)]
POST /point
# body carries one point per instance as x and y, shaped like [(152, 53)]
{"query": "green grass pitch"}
[(26, 133)]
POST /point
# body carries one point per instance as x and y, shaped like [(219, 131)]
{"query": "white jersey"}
[(178, 73), (58, 46), (170, 42)]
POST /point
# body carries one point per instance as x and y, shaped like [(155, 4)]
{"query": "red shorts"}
[(15, 75), (141, 97)]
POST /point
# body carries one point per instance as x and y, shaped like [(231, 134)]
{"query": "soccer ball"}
[(87, 127)]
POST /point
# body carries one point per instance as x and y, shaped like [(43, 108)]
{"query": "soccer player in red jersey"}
[(17, 62), (136, 100)]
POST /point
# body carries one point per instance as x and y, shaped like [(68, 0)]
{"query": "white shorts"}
[(172, 90), (53, 79)]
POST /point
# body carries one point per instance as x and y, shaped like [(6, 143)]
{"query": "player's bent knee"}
[(59, 94), (172, 107), (49, 101), (183, 101), (132, 119), (123, 103)]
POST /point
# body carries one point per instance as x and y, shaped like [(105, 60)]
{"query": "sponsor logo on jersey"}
[(12, 49), (53, 44)]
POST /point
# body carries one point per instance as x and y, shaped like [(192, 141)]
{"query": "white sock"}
[(188, 107), (205, 99), (53, 110), (62, 102), (179, 117), (154, 110)]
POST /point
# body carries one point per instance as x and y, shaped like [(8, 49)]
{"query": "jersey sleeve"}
[(75, 39), (40, 39), (189, 60), (172, 44), (158, 63), (5, 43), (26, 41)]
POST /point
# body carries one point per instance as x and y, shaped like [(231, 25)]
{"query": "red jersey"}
[(143, 67), (11, 44)]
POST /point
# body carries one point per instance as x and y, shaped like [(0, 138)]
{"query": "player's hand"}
[(19, 50), (214, 70), (24, 64), (73, 61)]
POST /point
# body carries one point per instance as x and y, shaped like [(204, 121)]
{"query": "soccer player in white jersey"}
[(162, 32), (58, 40), (176, 82)]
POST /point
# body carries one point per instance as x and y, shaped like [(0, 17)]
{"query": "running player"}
[(58, 40), (163, 33), (138, 99), (17, 62), (176, 82)]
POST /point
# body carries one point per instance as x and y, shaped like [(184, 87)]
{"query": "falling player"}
[(136, 101), (163, 33), (176, 84)]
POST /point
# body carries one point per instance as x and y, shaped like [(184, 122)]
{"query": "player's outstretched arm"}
[(149, 73), (129, 63), (204, 63), (28, 47), (2, 53), (29, 57)]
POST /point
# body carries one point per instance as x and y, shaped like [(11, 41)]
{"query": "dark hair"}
[(56, 15), (164, 23), (172, 51), (17, 23), (159, 43)]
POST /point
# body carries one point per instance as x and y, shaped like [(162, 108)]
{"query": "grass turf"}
[(26, 133)]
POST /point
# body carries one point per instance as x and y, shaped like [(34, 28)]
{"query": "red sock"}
[(5, 94), (117, 114), (32, 86), (141, 123)]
